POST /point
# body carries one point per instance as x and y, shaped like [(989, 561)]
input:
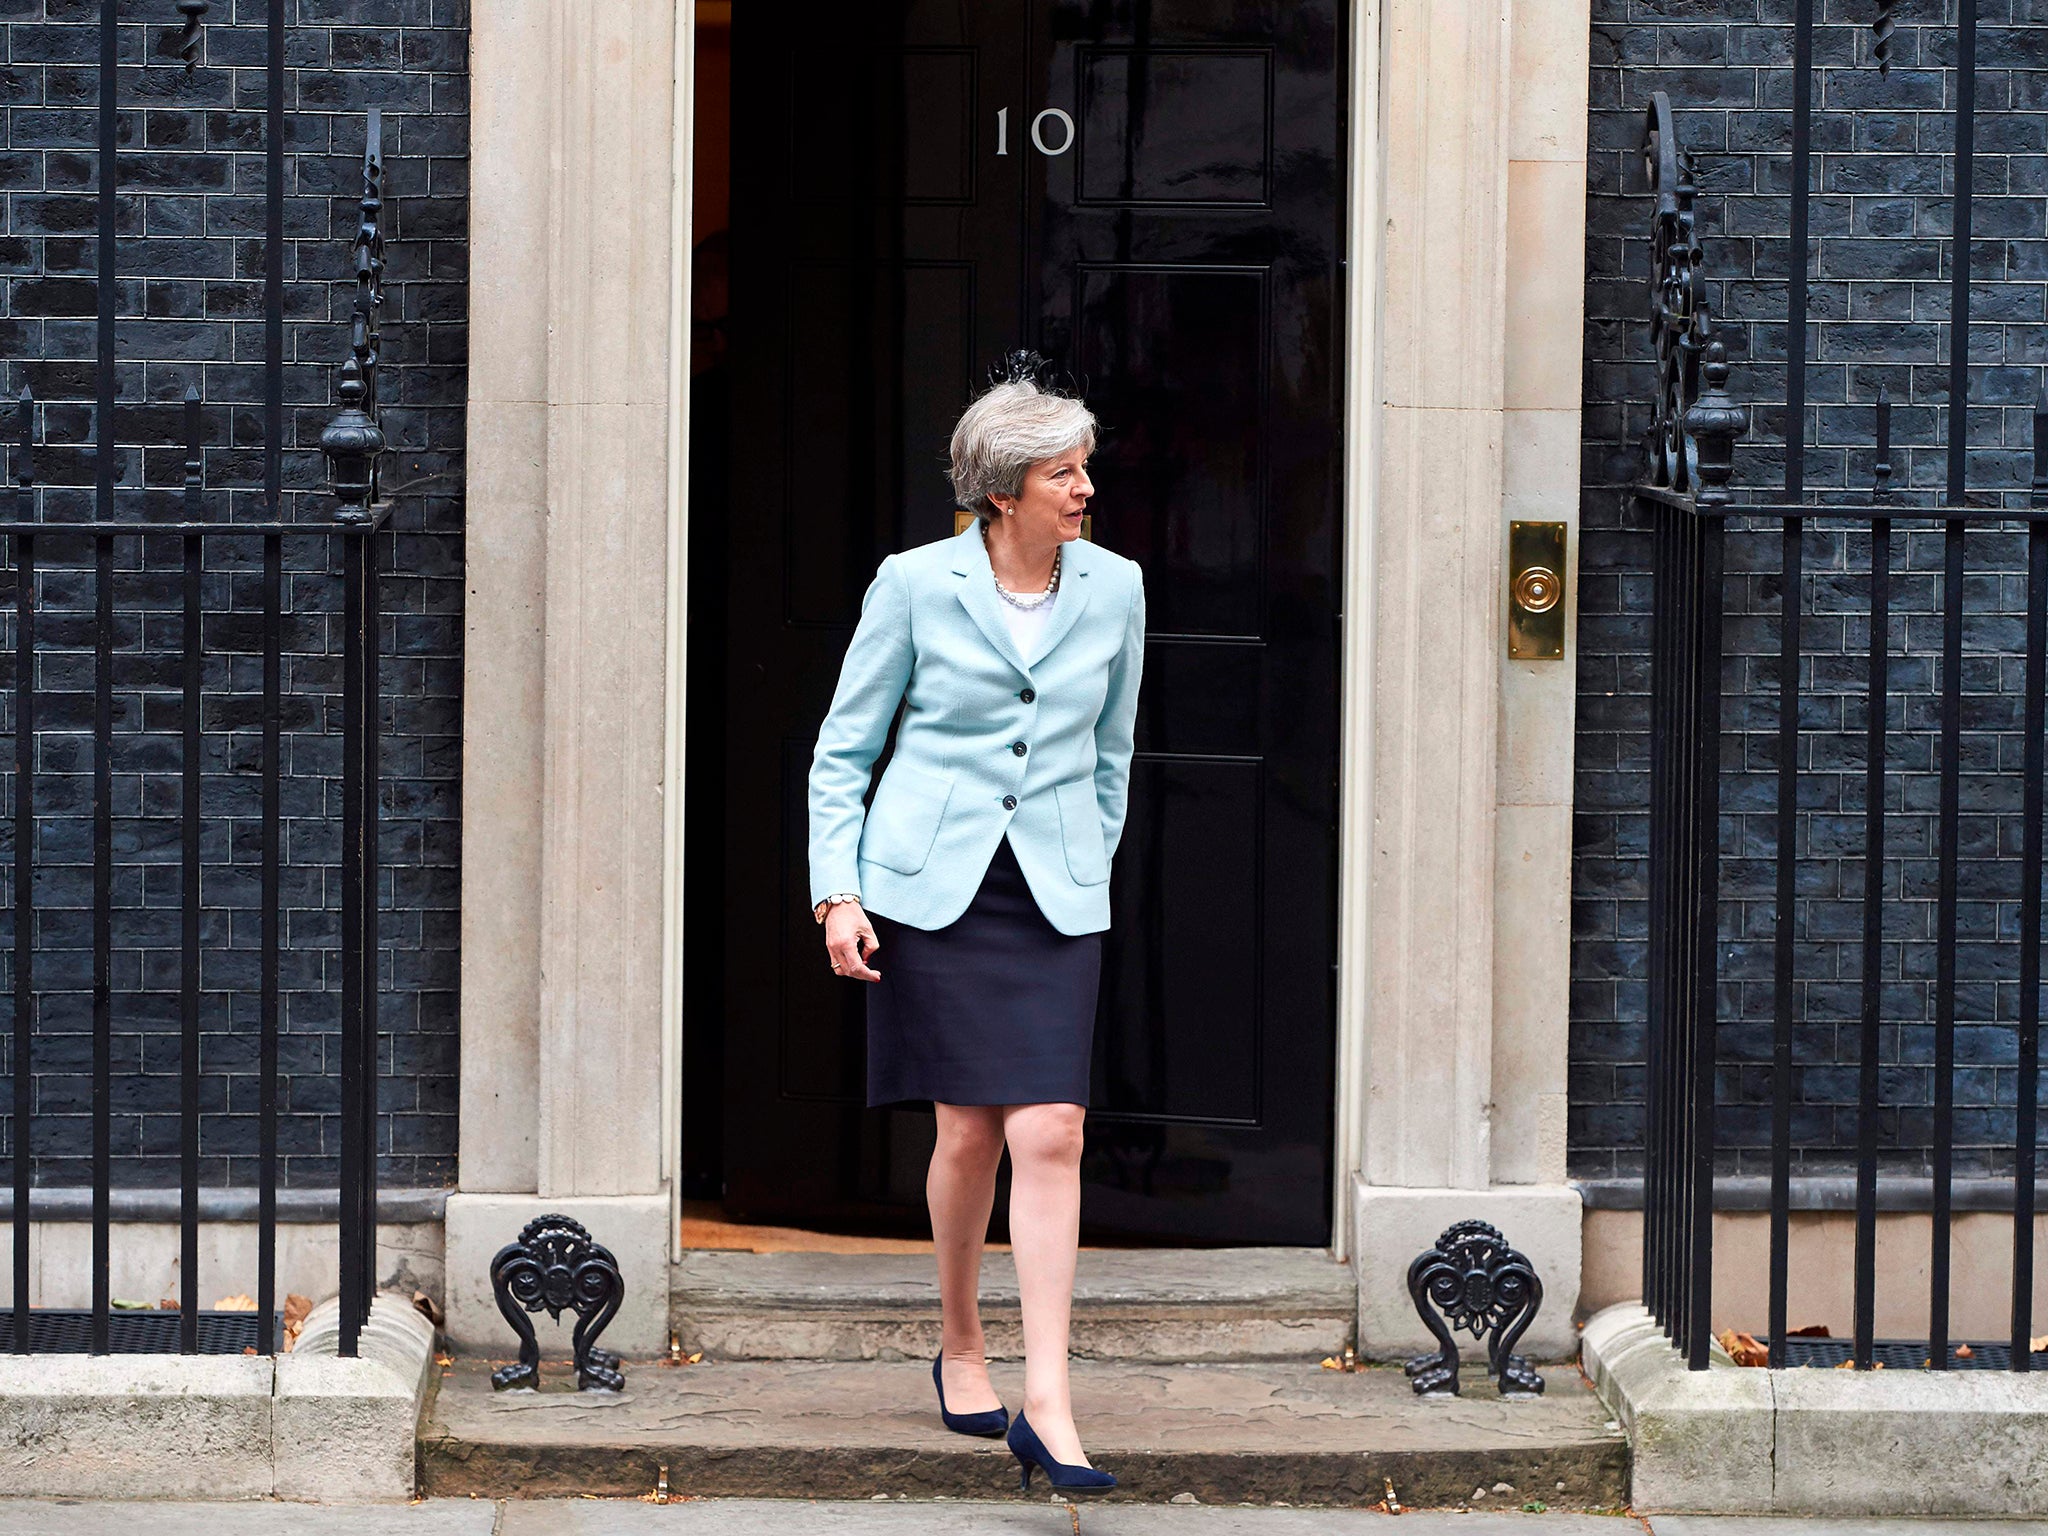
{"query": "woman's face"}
[(1048, 509)]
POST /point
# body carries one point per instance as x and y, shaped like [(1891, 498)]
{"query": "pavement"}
[(889, 1517)]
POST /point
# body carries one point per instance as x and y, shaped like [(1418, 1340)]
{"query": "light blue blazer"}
[(988, 745)]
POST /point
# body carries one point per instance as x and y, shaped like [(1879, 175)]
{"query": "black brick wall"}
[(191, 262), (1878, 315)]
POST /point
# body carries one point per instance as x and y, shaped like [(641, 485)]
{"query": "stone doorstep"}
[(1730, 1440), (308, 1425), (1169, 1305), (1253, 1433)]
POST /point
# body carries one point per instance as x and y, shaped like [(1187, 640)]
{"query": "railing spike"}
[(1882, 30), (1881, 471), (195, 462), (2039, 488), (186, 43), (25, 460)]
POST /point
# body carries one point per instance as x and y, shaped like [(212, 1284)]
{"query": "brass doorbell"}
[(1536, 591)]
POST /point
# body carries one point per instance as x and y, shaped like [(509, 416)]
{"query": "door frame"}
[(1359, 417)]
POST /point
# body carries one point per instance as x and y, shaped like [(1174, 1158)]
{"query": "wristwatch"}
[(833, 900)]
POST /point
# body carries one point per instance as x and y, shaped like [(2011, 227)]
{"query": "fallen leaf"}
[(444, 1360), (235, 1304), (248, 1349), (2036, 1345), (1743, 1348), (295, 1309), (1964, 1352), (1810, 1331), (1846, 1365), (168, 1304), (426, 1306), (693, 1359), (1330, 1363)]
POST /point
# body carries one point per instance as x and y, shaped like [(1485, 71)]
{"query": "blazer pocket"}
[(904, 820), (1081, 831)]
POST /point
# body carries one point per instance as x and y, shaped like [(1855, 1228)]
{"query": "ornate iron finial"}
[(186, 42), (1478, 1283), (1881, 31), (1713, 422), (1691, 441), (556, 1267), (354, 439), (352, 442)]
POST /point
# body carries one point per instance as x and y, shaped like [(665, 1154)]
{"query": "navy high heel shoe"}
[(1065, 1478), (989, 1423)]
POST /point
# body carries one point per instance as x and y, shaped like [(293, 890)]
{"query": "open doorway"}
[(888, 200)]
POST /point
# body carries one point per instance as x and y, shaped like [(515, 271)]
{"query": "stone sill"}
[(307, 1425), (1816, 1192), (1730, 1440), (322, 1206)]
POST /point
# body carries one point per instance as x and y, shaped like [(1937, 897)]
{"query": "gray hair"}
[(1009, 428)]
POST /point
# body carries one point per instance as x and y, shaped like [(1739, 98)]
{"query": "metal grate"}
[(68, 1331), (1900, 1355)]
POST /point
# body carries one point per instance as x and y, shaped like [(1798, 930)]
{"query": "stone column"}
[(564, 717), (1448, 1111)]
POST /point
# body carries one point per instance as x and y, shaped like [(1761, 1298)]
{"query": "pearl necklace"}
[(1034, 599)]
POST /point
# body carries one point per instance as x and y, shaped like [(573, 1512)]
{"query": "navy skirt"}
[(997, 1007)]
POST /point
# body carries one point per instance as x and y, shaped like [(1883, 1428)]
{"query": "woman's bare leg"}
[(1045, 1230), (961, 1190)]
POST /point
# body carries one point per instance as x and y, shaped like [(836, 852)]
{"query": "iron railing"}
[(45, 544), (1691, 500)]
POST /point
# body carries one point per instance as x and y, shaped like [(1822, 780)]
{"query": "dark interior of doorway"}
[(707, 668), (709, 461)]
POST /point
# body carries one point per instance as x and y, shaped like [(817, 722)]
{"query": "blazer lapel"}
[(1072, 598), (978, 595)]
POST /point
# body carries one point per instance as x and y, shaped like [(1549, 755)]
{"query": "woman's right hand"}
[(846, 928)]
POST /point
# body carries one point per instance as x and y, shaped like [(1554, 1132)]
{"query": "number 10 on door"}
[(1065, 129)]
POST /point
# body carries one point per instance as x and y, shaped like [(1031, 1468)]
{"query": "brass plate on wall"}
[(1536, 605), (962, 519)]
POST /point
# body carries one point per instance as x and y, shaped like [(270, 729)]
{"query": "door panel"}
[(1158, 211)]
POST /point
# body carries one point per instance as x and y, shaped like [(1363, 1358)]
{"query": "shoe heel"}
[(1024, 1478)]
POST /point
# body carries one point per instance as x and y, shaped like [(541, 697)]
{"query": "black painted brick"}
[(1879, 313), (189, 297)]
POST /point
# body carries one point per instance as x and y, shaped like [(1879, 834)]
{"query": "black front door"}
[(1149, 194)]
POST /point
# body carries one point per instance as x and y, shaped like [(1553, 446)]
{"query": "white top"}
[(1027, 626)]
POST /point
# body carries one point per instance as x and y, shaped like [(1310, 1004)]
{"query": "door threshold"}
[(707, 1229)]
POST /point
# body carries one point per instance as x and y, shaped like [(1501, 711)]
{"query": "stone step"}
[(1158, 1304), (1260, 1433)]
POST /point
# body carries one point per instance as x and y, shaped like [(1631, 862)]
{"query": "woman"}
[(980, 875)]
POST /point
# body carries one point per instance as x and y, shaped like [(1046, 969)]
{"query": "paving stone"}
[(1264, 1433)]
